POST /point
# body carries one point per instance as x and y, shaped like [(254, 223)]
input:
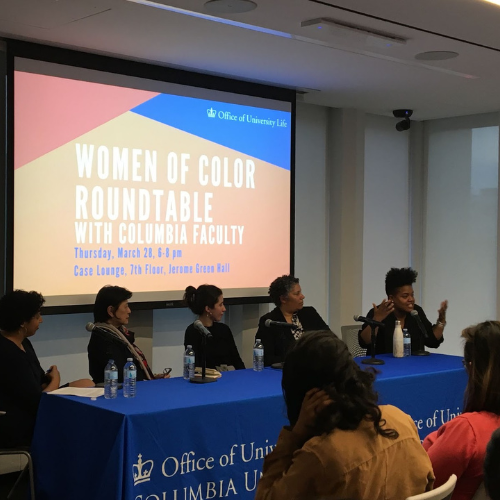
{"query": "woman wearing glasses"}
[(286, 293), (459, 446)]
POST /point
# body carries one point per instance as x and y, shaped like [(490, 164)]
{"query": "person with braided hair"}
[(340, 444)]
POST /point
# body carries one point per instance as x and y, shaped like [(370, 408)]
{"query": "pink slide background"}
[(51, 111)]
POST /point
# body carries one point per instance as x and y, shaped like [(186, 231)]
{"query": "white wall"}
[(345, 179), (62, 340), (461, 223), (311, 206)]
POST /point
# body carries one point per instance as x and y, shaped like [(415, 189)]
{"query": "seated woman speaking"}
[(207, 302), (287, 295), (112, 340), (340, 443), (400, 306), (22, 379)]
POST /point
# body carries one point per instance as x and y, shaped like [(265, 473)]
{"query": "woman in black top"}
[(286, 293), (207, 302), (22, 379), (399, 305), (111, 339)]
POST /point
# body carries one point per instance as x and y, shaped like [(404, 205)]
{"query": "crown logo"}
[(211, 113), (140, 475)]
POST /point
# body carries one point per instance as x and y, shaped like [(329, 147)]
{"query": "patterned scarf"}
[(298, 330), (123, 335)]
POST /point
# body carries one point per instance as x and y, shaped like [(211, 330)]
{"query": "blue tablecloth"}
[(182, 441), (429, 388)]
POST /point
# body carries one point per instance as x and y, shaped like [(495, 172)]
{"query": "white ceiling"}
[(344, 72)]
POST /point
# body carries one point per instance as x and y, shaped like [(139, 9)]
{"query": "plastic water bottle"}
[(397, 341), (258, 356), (189, 361), (407, 342), (129, 378), (110, 380)]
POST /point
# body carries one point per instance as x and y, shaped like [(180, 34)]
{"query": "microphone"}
[(90, 327), (202, 329), (270, 322), (421, 326), (370, 321)]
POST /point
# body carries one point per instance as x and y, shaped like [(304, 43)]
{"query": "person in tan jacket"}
[(340, 443)]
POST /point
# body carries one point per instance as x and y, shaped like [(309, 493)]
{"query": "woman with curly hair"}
[(287, 295), (340, 444), (399, 305)]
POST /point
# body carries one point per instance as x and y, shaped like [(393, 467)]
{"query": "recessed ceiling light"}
[(229, 6), (436, 55)]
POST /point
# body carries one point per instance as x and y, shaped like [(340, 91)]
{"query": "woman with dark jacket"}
[(286, 293), (111, 339), (22, 379)]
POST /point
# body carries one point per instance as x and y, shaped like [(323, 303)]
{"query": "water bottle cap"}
[(257, 340), (130, 359), (189, 346), (111, 361)]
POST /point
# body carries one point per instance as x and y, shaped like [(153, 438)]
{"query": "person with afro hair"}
[(399, 305)]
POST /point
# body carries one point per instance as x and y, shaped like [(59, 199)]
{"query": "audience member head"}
[(492, 467), (111, 305), (20, 311), (205, 301), (482, 360), (286, 293), (321, 360)]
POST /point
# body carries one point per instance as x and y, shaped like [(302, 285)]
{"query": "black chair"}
[(29, 466)]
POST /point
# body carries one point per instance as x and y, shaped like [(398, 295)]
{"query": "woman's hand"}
[(315, 400), (383, 310), (54, 378), (442, 311)]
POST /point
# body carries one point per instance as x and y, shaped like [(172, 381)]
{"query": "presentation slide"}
[(147, 185)]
